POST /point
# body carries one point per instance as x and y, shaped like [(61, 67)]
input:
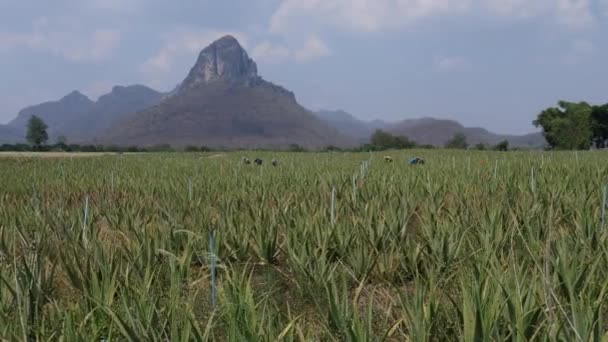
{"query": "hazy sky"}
[(490, 63)]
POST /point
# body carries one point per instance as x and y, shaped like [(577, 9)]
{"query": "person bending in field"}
[(246, 160), (416, 161), (275, 162), (258, 161), (388, 159)]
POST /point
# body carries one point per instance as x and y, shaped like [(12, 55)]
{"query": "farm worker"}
[(416, 160)]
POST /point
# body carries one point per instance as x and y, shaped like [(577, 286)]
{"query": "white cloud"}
[(580, 50), (96, 89), (98, 47), (603, 6), (575, 13), (361, 15), (518, 8), (184, 42), (449, 63), (313, 48), (93, 47), (113, 5), (378, 15), (266, 51)]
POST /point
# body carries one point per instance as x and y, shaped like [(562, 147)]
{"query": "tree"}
[(480, 146), (568, 126), (599, 125), (191, 148), (458, 141), (382, 140), (502, 146), (61, 140), (36, 132), (296, 148)]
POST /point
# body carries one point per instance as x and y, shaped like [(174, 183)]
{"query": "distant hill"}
[(438, 131), (79, 119), (59, 116), (425, 131), (349, 125), (224, 103), (9, 135)]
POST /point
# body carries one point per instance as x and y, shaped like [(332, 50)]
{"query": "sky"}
[(489, 63)]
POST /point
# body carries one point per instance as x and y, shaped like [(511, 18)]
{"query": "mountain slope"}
[(58, 115), (79, 119), (224, 103), (349, 125), (119, 103), (10, 135), (438, 131), (425, 131)]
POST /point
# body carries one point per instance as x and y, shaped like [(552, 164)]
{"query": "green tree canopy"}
[(568, 126), (458, 141), (599, 125), (480, 146), (382, 140), (36, 132), (502, 146)]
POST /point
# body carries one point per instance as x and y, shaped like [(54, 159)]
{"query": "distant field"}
[(471, 246), (53, 154)]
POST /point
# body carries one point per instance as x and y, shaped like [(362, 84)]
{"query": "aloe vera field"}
[(470, 246)]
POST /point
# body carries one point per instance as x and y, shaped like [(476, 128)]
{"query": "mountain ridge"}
[(223, 102), (425, 130), (78, 118)]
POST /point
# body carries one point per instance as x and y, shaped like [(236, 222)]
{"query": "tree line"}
[(382, 140), (574, 125), (37, 138), (568, 126)]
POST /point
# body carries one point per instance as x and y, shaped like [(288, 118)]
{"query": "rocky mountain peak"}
[(132, 93), (76, 97), (223, 60)]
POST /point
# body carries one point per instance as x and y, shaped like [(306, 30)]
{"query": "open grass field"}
[(471, 246), (53, 154)]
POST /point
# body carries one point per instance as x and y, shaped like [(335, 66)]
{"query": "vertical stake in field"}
[(212, 261), (190, 189), (112, 181), (469, 165), (495, 168), (532, 185), (542, 159), (35, 198), (354, 188), (603, 208), (84, 222), (333, 205)]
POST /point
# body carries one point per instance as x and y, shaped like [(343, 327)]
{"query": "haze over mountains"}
[(79, 119), (425, 131), (223, 102)]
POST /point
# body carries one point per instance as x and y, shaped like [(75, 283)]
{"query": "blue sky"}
[(489, 63)]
